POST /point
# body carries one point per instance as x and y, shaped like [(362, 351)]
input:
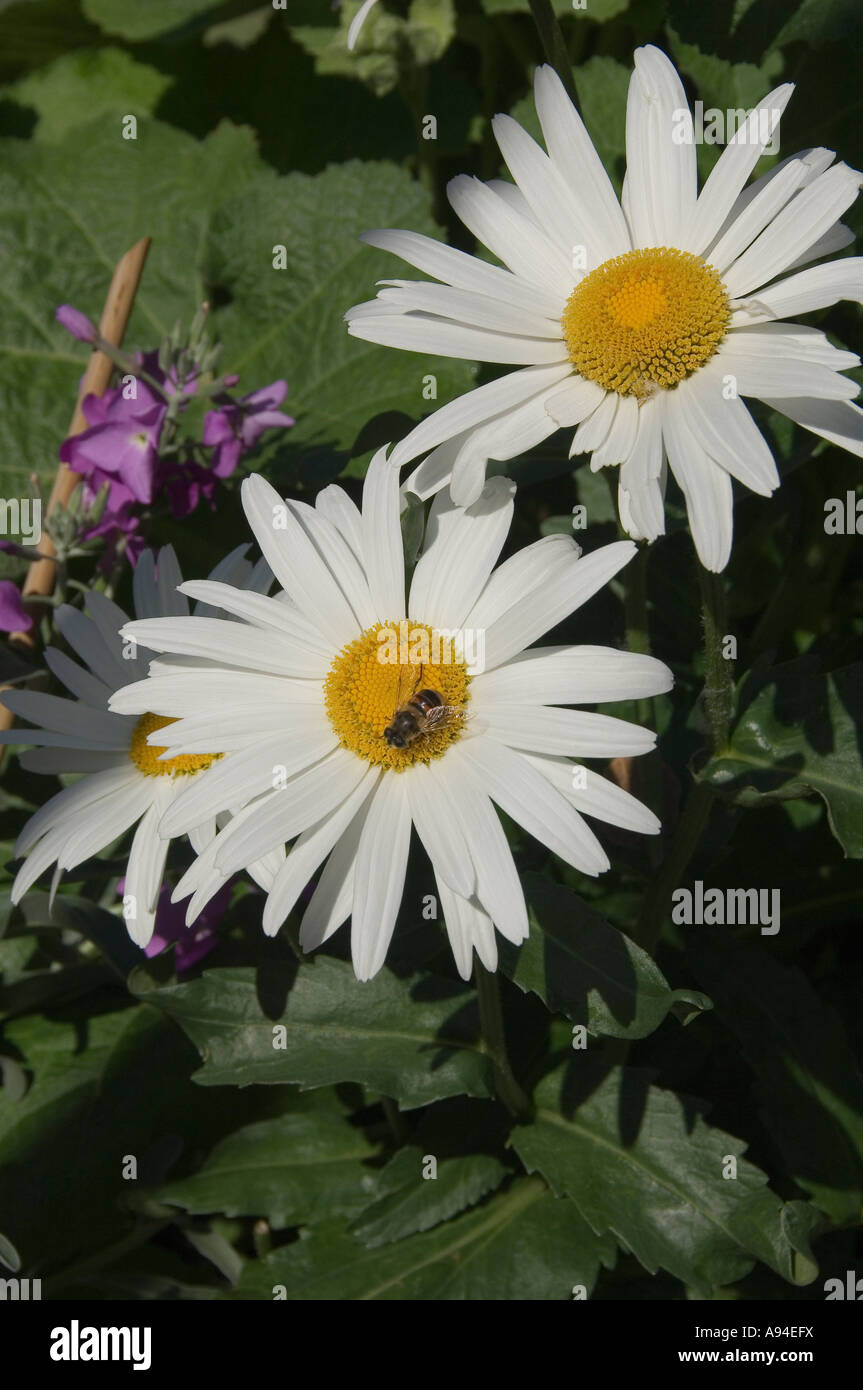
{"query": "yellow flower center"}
[(645, 320), (385, 671), (146, 756)]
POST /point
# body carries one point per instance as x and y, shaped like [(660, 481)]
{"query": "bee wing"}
[(443, 714), (408, 683)]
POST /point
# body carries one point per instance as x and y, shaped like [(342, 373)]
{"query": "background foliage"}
[(301, 1167)]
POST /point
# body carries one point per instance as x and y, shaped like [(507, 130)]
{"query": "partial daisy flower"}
[(642, 324), (360, 712), (128, 779)]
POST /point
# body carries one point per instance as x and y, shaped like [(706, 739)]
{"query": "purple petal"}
[(13, 615), (76, 323)]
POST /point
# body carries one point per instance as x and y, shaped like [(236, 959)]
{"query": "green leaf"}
[(294, 1170), (292, 321), (521, 1244), (817, 22), (70, 912), (415, 1040), (799, 736), (455, 1157), (641, 1163), (139, 22), (78, 87), (108, 1084), (68, 212), (584, 968), (810, 1086)]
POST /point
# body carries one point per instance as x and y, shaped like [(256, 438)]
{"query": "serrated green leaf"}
[(415, 1040), (586, 969), (641, 1163), (80, 86), (139, 22), (810, 1085), (455, 1157), (799, 736), (294, 1170), (522, 1244)]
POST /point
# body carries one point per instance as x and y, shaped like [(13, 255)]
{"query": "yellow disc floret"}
[(645, 320), (146, 756), (380, 672)]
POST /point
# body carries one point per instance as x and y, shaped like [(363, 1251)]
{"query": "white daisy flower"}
[(642, 324), (308, 695), (128, 779)]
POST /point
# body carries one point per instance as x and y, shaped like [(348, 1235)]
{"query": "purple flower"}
[(193, 943), (76, 323), (120, 445), (236, 426), (13, 615)]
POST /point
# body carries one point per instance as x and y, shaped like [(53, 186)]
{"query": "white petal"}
[(459, 553), (809, 214), (594, 429), (105, 661), (310, 850), (466, 272), (520, 789), (432, 792), (296, 562), (727, 430), (169, 577), (760, 210), (268, 614), (382, 538), (103, 731), (81, 683), (521, 574), (705, 486), (467, 307), (515, 240), (732, 169), (620, 440), (641, 484), (475, 408), (572, 676), (597, 796), (66, 807), (574, 400), (231, 644), (499, 892), (601, 225), (379, 875), (562, 732), (469, 929), (758, 374), (424, 333), (144, 877), (660, 169), (333, 503), (567, 587), (841, 422), (105, 821), (505, 437), (815, 288)]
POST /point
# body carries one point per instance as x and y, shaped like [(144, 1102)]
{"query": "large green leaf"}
[(453, 1159), (68, 211), (586, 969), (138, 22), (106, 1084), (799, 735), (522, 1244), (809, 1082), (415, 1040), (296, 1169), (80, 86), (642, 1164)]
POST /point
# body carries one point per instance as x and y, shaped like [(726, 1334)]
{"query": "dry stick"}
[(112, 327)]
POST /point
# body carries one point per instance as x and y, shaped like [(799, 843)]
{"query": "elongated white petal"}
[(840, 422), (103, 730), (660, 152), (572, 676), (760, 210), (379, 875), (144, 877), (705, 486), (432, 791), (475, 408), (732, 169), (81, 683), (620, 440), (505, 437), (595, 795), (234, 644), (464, 271), (574, 400), (815, 288), (757, 374), (727, 431), (515, 240), (641, 484), (520, 789), (469, 928), (424, 333), (566, 732), (460, 550), (460, 306), (382, 538), (265, 613)]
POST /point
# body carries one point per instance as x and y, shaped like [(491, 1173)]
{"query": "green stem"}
[(718, 672), (693, 819), (554, 45), (502, 1081)]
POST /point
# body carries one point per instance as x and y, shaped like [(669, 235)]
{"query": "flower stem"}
[(554, 45), (718, 672), (502, 1082)]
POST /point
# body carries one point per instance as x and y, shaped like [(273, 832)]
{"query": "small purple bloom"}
[(13, 615), (121, 441), (236, 426), (76, 323), (195, 942)]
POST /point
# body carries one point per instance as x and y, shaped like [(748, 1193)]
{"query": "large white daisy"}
[(303, 694), (643, 324), (128, 779)]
